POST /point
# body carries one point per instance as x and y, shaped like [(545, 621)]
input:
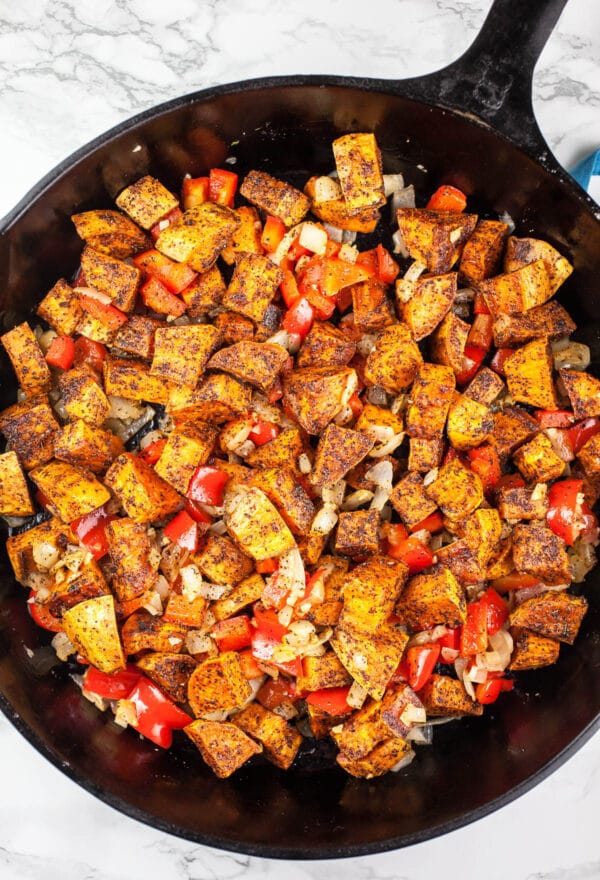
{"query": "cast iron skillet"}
[(472, 125)]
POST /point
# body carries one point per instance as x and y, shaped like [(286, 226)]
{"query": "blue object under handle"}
[(586, 169)]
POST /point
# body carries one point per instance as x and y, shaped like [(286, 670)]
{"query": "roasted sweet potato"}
[(146, 201), (71, 491), (248, 590), (129, 378), (410, 501), (481, 254), (275, 197), (256, 363), (512, 426), (182, 353), (205, 293), (357, 533), (548, 321), (246, 238), (145, 497), (531, 651), (339, 450), (143, 631), (218, 398), (522, 252), (517, 291), (383, 757), (169, 671), (523, 502), (483, 531), (430, 400), (469, 423), (280, 741), (325, 671), (435, 238), (448, 342), (394, 361), (583, 391), (253, 286), (83, 395), (457, 490), (370, 658), (223, 746), (541, 553), (371, 307), (133, 556), (358, 163), (289, 497), (424, 455), (45, 542), (529, 375), (315, 395), (443, 695), (189, 445), (199, 236), (14, 493), (216, 684), (484, 387), (432, 598), (92, 628), (429, 303), (115, 278), (111, 233), (27, 359), (325, 346), (61, 309), (256, 524), (555, 615), (537, 460), (222, 562), (370, 592), (81, 444)]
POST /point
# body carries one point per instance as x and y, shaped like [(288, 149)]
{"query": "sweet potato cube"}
[(81, 444), (339, 450), (61, 308), (199, 236), (583, 391), (113, 277), (370, 422), (93, 328), (219, 398), (401, 710), (522, 252), (483, 531), (289, 497), (362, 732), (131, 553), (83, 396), (512, 426), (410, 501), (541, 553), (246, 238), (443, 695), (429, 303), (432, 598), (71, 491), (253, 286), (182, 353), (548, 321), (371, 307), (469, 423), (529, 375), (256, 524), (14, 493), (517, 291), (205, 293), (537, 460), (222, 562), (143, 631), (457, 490), (589, 456), (128, 378), (136, 337), (371, 657), (147, 201), (27, 359), (523, 502), (327, 613), (234, 328), (275, 197), (370, 592), (383, 757), (87, 583), (144, 496), (358, 164), (335, 210), (315, 395), (188, 445), (430, 400), (555, 615), (461, 561), (280, 741), (217, 684), (243, 594), (447, 344), (531, 651), (484, 387), (394, 361), (257, 363), (111, 233), (169, 671), (481, 254), (424, 455), (92, 628), (435, 238), (223, 746), (283, 450), (325, 671), (325, 346), (20, 549), (357, 532)]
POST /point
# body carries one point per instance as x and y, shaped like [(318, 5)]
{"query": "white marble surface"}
[(68, 71)]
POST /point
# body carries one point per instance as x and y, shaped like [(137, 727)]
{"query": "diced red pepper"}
[(268, 623), (207, 485), (510, 481), (250, 668), (90, 352), (91, 531), (473, 636), (340, 273), (153, 451), (497, 610), (324, 306), (42, 615), (194, 191), (272, 234), (343, 299), (61, 353), (356, 405), (564, 515), (222, 186), (480, 334), (233, 634), (289, 289), (561, 441), (299, 318), (112, 317), (583, 431), (499, 359), (413, 553), (554, 418), (479, 304), (275, 593), (163, 224), (590, 531), (432, 523), (484, 462), (421, 660), (514, 581), (156, 297), (450, 639), (197, 512), (331, 700), (267, 636), (263, 432), (267, 566), (369, 261), (387, 267), (111, 686), (183, 531), (276, 392), (472, 360), (276, 691), (447, 198), (157, 715), (489, 691), (175, 276)]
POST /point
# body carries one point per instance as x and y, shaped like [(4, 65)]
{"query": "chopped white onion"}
[(403, 762), (348, 236), (94, 294), (366, 344), (430, 477), (356, 695), (348, 252), (421, 735), (576, 356), (404, 198), (376, 395), (291, 575), (387, 448), (313, 237), (62, 645), (399, 246), (327, 189), (334, 494), (505, 217), (382, 474), (304, 465), (392, 183), (325, 520), (334, 233), (357, 499)]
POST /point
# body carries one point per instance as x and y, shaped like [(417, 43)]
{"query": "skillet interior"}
[(314, 810)]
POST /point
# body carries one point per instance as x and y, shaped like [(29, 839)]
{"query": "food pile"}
[(295, 488)]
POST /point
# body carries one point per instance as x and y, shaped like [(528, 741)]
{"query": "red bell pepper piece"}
[(514, 581), (207, 485), (111, 686), (450, 639), (267, 566), (90, 352), (222, 186), (421, 660), (268, 623), (497, 610), (61, 353), (499, 359), (194, 191), (197, 513), (432, 523), (175, 276), (484, 462), (156, 297), (276, 392), (272, 234), (343, 299), (107, 314), (583, 431), (289, 289), (489, 691), (263, 432), (413, 553), (590, 531), (166, 221), (387, 267), (554, 418), (324, 306), (471, 362), (233, 634), (565, 516), (157, 715), (480, 334), (356, 405), (447, 198), (480, 305), (299, 318), (473, 636), (250, 668), (91, 531), (369, 261), (267, 636), (276, 691), (339, 274), (42, 615), (153, 451), (183, 531), (331, 700), (510, 481)]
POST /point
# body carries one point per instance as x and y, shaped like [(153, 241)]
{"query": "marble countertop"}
[(68, 71)]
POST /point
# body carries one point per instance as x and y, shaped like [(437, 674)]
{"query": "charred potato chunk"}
[(383, 757), (223, 746), (81, 444), (199, 236), (136, 337), (146, 201), (218, 398), (143, 631), (522, 252), (429, 303), (339, 450), (435, 238), (116, 279), (517, 291), (218, 684), (61, 309), (222, 562), (131, 553), (83, 396), (541, 553), (169, 671), (529, 375), (128, 378), (456, 490), (512, 427), (370, 658), (325, 346), (430, 400), (111, 233), (289, 497), (144, 496), (484, 387), (204, 294), (583, 391), (358, 163), (357, 533), (555, 615), (448, 342), (371, 307), (443, 695), (315, 395), (549, 321), (14, 493), (71, 491), (410, 501), (481, 254), (523, 502), (531, 651), (257, 363), (243, 594), (537, 460), (280, 741)]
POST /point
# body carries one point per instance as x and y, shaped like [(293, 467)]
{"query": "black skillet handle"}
[(493, 79)]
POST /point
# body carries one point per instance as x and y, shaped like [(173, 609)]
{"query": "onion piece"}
[(575, 356), (313, 237), (403, 762), (392, 183), (327, 189), (421, 734), (325, 520), (404, 198)]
